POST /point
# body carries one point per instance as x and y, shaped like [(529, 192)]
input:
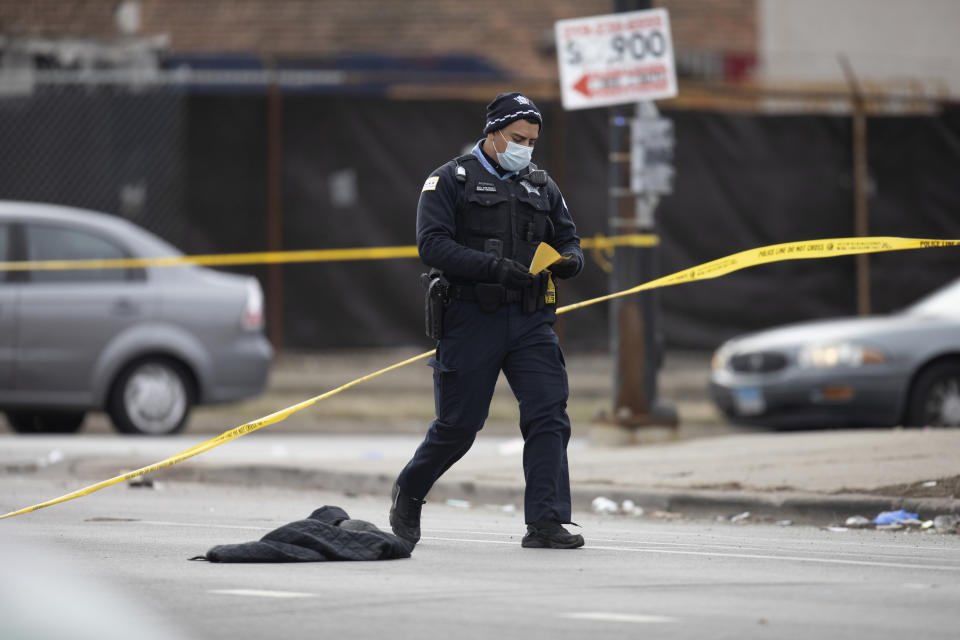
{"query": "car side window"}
[(63, 243)]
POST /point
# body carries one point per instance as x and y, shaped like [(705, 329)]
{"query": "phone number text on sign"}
[(614, 59)]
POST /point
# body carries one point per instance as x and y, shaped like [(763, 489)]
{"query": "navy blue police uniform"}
[(470, 214)]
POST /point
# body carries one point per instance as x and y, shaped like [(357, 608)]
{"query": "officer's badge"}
[(529, 187), (522, 99)]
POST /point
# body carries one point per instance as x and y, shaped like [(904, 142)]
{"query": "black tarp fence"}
[(353, 166)]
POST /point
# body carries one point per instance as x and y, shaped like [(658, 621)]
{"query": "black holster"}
[(435, 300), (535, 294)]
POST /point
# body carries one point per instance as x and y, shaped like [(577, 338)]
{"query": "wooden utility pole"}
[(637, 415)]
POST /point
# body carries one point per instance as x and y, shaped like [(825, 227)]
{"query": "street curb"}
[(799, 507)]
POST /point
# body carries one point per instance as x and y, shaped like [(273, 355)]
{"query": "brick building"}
[(765, 44), (506, 36)]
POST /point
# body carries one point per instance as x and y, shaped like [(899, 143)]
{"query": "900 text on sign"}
[(615, 59)]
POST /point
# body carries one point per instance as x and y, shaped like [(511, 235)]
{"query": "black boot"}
[(405, 515), (550, 534)]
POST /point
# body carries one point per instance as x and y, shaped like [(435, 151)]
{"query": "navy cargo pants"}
[(475, 347)]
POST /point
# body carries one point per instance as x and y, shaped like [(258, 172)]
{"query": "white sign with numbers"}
[(615, 59)]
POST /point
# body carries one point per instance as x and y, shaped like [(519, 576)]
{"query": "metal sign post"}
[(622, 59)]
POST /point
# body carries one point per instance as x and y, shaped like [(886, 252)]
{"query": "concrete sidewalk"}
[(814, 477), (401, 401)]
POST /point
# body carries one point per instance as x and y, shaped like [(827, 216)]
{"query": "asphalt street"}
[(116, 565)]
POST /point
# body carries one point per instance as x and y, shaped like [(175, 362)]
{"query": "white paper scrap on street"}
[(615, 59)]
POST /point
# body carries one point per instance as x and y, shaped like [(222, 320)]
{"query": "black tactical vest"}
[(514, 211)]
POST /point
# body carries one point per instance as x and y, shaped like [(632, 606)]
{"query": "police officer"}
[(480, 219)]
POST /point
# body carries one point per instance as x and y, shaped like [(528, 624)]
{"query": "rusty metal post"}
[(637, 416), (631, 401), (274, 293), (861, 214)]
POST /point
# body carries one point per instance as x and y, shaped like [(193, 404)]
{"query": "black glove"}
[(511, 274), (565, 268)]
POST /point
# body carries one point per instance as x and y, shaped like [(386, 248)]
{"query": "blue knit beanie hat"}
[(510, 107)]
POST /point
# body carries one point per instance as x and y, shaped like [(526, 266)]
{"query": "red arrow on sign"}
[(583, 85), (637, 80)]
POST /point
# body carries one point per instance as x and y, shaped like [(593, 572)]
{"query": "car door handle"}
[(125, 307)]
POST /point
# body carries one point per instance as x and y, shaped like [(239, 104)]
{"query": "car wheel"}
[(25, 421), (151, 397), (935, 398)]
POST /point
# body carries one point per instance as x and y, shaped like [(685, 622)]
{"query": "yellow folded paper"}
[(544, 257)]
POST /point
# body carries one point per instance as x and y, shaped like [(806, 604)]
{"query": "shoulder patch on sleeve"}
[(430, 184)]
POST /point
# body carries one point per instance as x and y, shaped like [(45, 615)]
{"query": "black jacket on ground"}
[(327, 534)]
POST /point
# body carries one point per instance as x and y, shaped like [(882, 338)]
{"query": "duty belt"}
[(468, 292)]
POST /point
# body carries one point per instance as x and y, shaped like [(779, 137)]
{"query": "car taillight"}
[(252, 319)]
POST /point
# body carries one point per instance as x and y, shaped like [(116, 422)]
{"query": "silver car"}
[(899, 369), (143, 344)]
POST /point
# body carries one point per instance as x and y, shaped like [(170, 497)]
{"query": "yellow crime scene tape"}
[(801, 250), (282, 257), (219, 259)]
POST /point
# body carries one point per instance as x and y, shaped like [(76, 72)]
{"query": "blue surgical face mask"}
[(516, 156)]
